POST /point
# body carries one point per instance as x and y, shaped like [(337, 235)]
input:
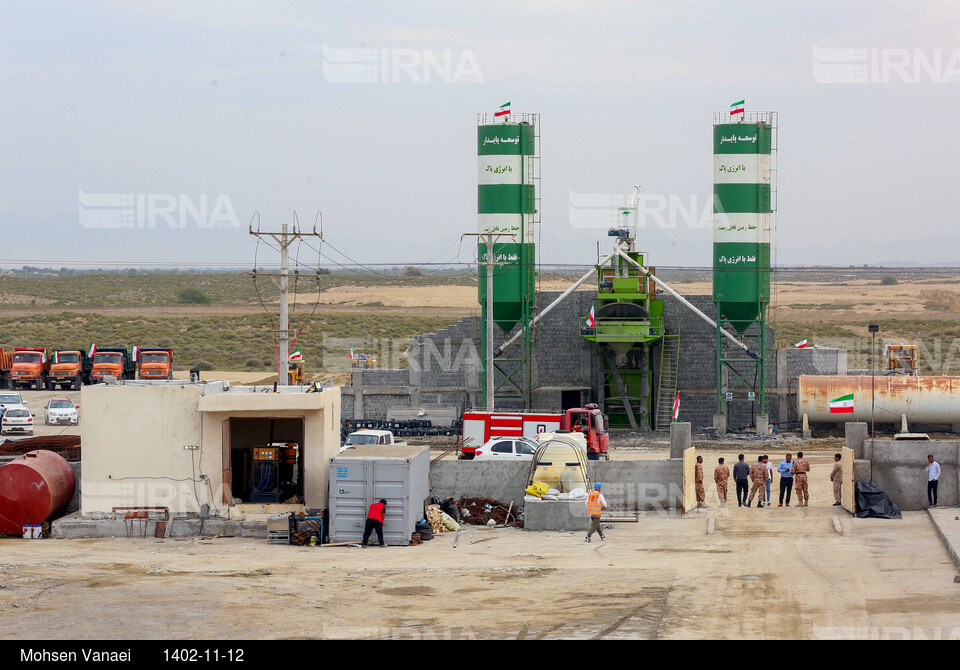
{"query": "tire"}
[(50, 386), (77, 384), (38, 385)]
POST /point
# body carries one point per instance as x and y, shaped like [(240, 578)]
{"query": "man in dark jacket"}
[(375, 522), (741, 475)]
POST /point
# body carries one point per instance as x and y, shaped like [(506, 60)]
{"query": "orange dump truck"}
[(155, 363), (30, 368), (6, 362), (70, 368)]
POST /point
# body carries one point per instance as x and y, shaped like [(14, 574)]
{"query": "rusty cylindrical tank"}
[(921, 399), (33, 488)]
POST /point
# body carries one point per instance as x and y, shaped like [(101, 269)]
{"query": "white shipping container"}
[(365, 474)]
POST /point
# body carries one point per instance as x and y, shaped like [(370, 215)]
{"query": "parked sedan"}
[(16, 420), (506, 449), (61, 411)]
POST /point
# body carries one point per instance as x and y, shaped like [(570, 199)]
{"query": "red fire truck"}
[(480, 426)]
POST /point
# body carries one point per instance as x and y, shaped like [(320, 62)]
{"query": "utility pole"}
[(284, 239), (873, 328), (490, 381)]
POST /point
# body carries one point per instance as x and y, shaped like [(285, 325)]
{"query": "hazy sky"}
[(243, 103)]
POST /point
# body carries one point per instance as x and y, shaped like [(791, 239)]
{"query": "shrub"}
[(192, 296), (889, 281), (200, 364)]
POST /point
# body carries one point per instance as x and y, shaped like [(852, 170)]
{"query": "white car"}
[(16, 420), (61, 411), (506, 449)]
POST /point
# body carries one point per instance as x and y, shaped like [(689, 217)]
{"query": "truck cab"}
[(383, 438), (29, 368), (902, 359), (155, 363), (112, 363), (70, 368), (592, 424)]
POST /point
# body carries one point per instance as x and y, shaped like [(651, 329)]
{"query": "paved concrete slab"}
[(948, 528)]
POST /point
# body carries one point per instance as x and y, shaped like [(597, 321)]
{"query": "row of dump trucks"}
[(26, 367)]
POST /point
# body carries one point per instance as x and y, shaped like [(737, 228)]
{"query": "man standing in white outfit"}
[(933, 474)]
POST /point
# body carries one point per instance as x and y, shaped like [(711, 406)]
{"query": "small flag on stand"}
[(136, 352), (591, 320), (801, 344), (737, 108), (350, 355), (92, 350), (503, 111), (676, 408), (295, 355)]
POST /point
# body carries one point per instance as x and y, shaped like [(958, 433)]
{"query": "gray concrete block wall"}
[(627, 485), (899, 468), (697, 379), (446, 365)]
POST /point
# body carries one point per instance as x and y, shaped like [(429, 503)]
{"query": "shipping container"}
[(363, 475)]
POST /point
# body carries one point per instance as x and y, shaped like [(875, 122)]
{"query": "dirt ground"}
[(782, 573)]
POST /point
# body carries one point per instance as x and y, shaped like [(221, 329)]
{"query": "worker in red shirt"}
[(375, 522)]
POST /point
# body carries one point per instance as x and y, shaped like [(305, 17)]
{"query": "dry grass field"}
[(233, 330)]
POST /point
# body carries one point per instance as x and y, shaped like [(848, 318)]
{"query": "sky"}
[(153, 133)]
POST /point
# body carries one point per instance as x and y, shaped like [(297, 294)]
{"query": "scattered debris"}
[(479, 511)]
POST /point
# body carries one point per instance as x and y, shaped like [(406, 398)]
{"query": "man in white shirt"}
[(933, 474)]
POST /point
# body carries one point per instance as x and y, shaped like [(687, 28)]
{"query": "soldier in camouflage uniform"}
[(758, 477), (800, 469), (720, 476), (698, 478), (836, 476)]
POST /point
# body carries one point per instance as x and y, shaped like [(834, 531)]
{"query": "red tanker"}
[(33, 488)]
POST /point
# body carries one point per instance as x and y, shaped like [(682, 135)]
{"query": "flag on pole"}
[(503, 111), (56, 357), (886, 348), (135, 350), (676, 408), (92, 350), (737, 108), (43, 356), (350, 355), (591, 320), (801, 344), (842, 405), (295, 355)]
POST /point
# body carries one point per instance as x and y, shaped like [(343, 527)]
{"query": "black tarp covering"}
[(872, 503)]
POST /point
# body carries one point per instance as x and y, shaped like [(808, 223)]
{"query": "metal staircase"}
[(669, 369)]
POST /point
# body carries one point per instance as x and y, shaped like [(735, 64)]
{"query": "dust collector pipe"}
[(499, 350), (685, 302)]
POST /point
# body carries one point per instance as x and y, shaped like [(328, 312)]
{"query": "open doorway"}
[(570, 398), (265, 456)]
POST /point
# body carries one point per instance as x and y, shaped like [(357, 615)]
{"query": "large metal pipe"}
[(921, 399), (33, 488), (686, 303), (553, 304)]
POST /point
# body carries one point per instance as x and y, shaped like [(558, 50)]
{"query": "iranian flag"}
[(591, 320), (676, 408), (801, 344), (135, 350), (92, 350), (56, 357), (736, 108), (295, 355), (503, 111), (43, 356), (842, 405), (350, 355)]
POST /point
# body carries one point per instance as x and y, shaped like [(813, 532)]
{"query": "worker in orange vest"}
[(595, 505)]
